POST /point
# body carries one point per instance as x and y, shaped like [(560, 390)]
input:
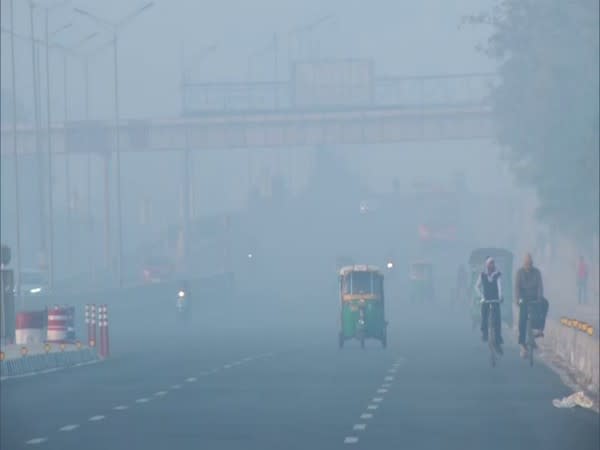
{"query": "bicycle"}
[(530, 340), (492, 332)]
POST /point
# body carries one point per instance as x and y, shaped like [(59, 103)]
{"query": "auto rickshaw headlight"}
[(181, 294)]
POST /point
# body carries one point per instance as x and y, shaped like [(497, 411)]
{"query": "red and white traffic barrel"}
[(59, 321), (29, 327)]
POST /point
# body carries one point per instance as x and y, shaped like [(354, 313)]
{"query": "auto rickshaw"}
[(504, 263), (421, 282), (362, 305)]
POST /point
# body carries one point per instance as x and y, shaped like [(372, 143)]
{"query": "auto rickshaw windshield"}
[(362, 283)]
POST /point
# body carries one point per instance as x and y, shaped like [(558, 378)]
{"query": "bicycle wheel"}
[(492, 345), (491, 338), (530, 342)]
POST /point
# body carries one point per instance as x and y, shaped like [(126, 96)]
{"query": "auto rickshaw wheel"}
[(384, 340), (362, 341), (341, 340)]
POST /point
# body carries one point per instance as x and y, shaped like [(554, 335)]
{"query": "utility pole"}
[(115, 27), (49, 149), (16, 153), (38, 143)]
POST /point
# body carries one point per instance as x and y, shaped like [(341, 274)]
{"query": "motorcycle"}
[(182, 305)]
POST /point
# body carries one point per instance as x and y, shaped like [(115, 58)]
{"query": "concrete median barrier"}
[(572, 346), (37, 360)]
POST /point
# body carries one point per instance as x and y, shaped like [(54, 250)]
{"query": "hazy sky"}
[(402, 38), (420, 37)]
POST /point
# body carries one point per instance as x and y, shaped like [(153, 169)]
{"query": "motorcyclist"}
[(489, 287), (530, 288), (183, 296)]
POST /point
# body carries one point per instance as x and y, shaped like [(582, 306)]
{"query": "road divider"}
[(44, 362), (571, 346)]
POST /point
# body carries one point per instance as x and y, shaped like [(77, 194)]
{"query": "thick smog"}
[(287, 225)]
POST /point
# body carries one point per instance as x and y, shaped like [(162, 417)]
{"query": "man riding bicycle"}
[(489, 288), (529, 288)]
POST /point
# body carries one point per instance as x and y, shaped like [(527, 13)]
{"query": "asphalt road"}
[(272, 383)]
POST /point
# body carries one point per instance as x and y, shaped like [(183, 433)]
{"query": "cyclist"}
[(489, 287), (530, 288)]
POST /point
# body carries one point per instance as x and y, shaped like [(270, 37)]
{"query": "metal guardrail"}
[(469, 89)]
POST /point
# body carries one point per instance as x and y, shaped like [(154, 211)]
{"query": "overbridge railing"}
[(470, 89)]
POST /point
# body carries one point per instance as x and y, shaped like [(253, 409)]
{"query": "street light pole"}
[(118, 162), (67, 156), (85, 58), (67, 169), (50, 261), (38, 144), (115, 28), (16, 153), (49, 149)]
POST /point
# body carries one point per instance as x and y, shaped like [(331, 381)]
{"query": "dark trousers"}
[(538, 319), (485, 311)]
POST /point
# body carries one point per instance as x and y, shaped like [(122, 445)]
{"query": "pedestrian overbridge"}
[(220, 116)]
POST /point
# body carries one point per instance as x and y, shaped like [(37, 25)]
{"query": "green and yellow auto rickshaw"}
[(362, 305), (504, 263), (421, 282)]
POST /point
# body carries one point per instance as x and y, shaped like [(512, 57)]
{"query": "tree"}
[(546, 104)]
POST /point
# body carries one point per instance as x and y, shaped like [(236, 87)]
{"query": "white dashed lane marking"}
[(375, 402), (68, 428)]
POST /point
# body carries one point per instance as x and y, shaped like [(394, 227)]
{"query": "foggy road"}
[(275, 385)]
